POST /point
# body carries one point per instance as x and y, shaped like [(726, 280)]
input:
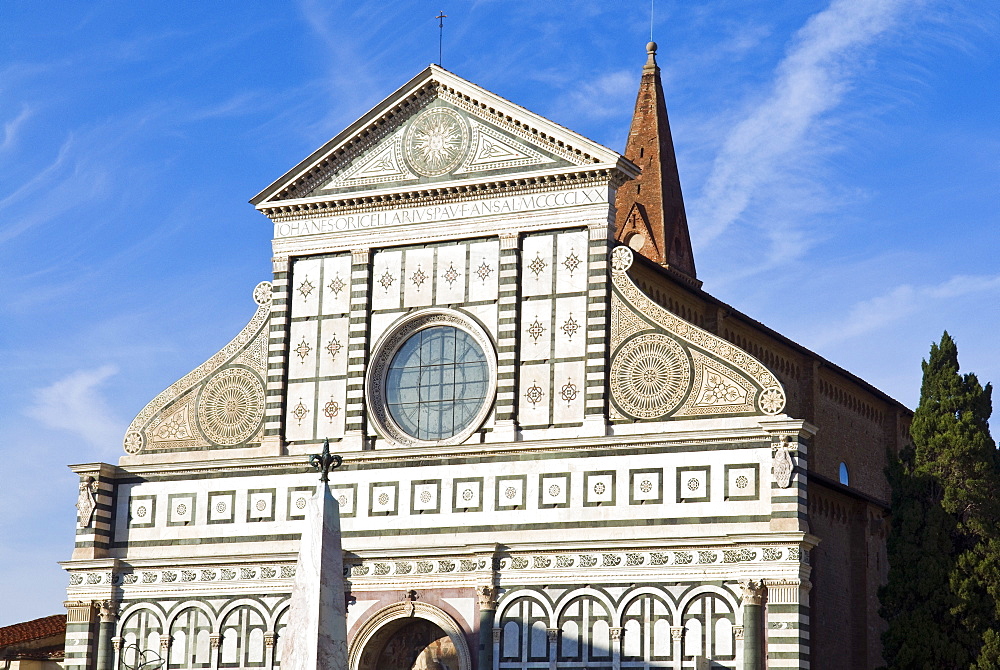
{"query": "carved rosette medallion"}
[(436, 142), (621, 259), (262, 293), (650, 376), (231, 406)]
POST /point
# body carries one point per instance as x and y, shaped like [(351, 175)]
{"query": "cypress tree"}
[(942, 599)]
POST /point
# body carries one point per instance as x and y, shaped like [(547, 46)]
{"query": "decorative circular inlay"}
[(621, 259), (220, 507), (301, 503), (140, 511), (261, 505), (600, 488), (182, 509), (133, 442), (650, 375), (467, 494), (231, 406), (262, 293), (554, 490), (693, 484), (342, 500), (383, 499), (742, 482), (772, 400), (436, 142), (646, 486), (425, 496), (510, 492)]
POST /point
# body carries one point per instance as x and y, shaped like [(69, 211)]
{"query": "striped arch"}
[(567, 598), (510, 597), (704, 589), (276, 615), (154, 608), (662, 594), (179, 607), (225, 610)]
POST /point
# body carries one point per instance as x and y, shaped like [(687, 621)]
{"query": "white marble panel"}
[(599, 489), (468, 495), (487, 316), (536, 265), (336, 294), (299, 500), (568, 392), (554, 489), (534, 396), (345, 497), (305, 287), (571, 262), (426, 496), (386, 274), (571, 327), (333, 347), (331, 408), (261, 505), (381, 322), (693, 484), (452, 274), (484, 270), (181, 510), (536, 330), (302, 354), (300, 411), (418, 284), (511, 492)]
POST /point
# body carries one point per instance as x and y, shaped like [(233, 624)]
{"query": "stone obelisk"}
[(316, 634)]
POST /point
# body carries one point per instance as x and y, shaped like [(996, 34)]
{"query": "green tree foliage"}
[(942, 599)]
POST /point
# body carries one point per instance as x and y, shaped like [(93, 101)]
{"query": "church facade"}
[(559, 451)]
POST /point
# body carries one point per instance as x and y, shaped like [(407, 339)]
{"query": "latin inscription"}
[(435, 213)]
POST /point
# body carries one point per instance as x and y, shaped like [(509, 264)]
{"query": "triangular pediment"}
[(436, 129)]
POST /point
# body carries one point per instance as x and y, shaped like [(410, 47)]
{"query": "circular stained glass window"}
[(437, 383)]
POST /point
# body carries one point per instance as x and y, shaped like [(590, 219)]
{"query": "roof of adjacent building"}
[(36, 629)]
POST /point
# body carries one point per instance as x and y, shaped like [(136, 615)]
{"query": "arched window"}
[(845, 477)]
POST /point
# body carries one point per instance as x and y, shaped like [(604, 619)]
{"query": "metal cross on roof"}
[(440, 17), (325, 462)]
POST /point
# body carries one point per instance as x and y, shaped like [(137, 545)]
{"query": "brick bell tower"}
[(651, 218)]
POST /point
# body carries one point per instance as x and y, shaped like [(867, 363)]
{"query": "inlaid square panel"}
[(180, 509), (425, 496), (298, 498), (484, 270), (511, 491), (568, 392), (336, 291), (571, 261), (346, 496), (693, 484), (330, 419), (553, 490), (536, 330), (534, 395), (303, 349), (300, 413), (536, 265), (467, 494), (142, 511), (570, 327), (599, 488), (645, 486), (383, 499), (742, 481), (260, 505), (452, 274), (222, 507), (305, 286), (386, 279), (418, 277), (332, 347)]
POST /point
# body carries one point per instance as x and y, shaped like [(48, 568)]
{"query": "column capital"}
[(279, 263), (496, 635), (738, 632), (508, 240), (359, 256), (487, 595), (552, 633), (270, 637), (676, 632), (753, 591), (108, 610), (214, 640), (616, 632), (165, 641)]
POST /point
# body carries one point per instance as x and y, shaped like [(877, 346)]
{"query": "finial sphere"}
[(651, 48)]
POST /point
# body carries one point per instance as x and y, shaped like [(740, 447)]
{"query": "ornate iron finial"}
[(325, 462)]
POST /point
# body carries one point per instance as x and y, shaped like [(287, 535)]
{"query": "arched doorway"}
[(410, 636), (418, 645)]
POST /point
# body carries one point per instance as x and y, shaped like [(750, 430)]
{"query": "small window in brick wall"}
[(845, 476)]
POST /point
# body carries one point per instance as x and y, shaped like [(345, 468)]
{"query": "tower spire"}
[(651, 218)]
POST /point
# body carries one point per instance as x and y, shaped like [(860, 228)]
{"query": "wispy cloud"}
[(75, 404), (11, 128), (780, 135), (607, 96), (901, 302)]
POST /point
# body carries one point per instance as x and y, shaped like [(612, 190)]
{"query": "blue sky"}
[(840, 162)]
